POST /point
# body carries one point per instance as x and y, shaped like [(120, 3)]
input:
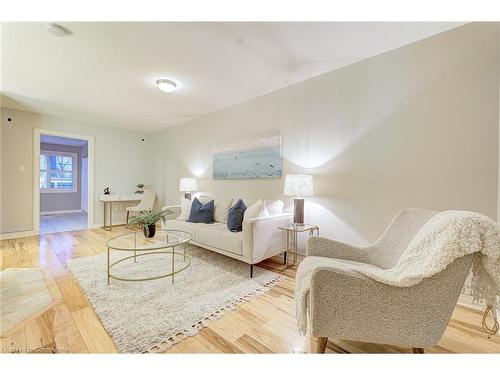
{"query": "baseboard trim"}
[(25, 233), (44, 213), (468, 301), (100, 226)]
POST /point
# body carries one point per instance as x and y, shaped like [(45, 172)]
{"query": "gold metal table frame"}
[(151, 250), (292, 232)]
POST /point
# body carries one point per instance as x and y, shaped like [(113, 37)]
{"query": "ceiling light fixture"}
[(56, 30), (166, 85)]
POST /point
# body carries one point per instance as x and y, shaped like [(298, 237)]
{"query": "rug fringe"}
[(195, 328)]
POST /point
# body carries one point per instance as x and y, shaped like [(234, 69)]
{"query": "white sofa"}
[(260, 238)]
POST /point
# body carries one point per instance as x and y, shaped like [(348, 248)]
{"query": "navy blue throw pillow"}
[(201, 213), (235, 216)]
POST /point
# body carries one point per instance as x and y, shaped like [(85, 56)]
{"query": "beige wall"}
[(120, 162), (498, 150), (415, 127)]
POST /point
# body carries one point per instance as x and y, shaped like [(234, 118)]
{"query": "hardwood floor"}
[(262, 325), (24, 293), (63, 222)]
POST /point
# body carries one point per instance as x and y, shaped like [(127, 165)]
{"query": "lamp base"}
[(298, 211), (187, 196)]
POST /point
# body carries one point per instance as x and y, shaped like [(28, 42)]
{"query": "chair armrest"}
[(262, 238), (347, 305), (324, 247)]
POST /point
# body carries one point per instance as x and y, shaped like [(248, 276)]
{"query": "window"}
[(58, 172)]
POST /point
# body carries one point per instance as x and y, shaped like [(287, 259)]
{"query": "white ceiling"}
[(44, 138), (105, 73)]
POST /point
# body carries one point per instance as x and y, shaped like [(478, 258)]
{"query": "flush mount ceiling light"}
[(166, 85), (56, 30)]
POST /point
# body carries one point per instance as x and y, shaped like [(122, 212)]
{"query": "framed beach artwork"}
[(259, 158)]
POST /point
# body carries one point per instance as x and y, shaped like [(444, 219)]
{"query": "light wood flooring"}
[(262, 325), (63, 222), (23, 294)]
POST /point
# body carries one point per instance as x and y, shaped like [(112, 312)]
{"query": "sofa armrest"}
[(262, 238), (175, 212), (324, 247)]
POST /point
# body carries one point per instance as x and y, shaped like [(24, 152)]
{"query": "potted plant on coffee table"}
[(147, 220)]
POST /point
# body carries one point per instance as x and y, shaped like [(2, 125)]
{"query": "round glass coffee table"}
[(165, 241)]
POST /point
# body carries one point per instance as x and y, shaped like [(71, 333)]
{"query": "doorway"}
[(62, 182)]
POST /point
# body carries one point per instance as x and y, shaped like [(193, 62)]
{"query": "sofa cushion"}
[(201, 213), (182, 225), (217, 235), (221, 209)]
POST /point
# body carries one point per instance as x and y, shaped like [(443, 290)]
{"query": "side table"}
[(292, 232)]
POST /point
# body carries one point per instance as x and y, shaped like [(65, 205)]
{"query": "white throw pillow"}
[(253, 211), (204, 198), (275, 207), (185, 209), (263, 210), (248, 202), (221, 209)]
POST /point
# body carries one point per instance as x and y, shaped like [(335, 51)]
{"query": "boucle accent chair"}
[(347, 305)]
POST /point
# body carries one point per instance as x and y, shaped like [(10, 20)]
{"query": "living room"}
[(250, 187)]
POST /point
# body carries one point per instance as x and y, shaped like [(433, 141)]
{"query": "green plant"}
[(147, 218)]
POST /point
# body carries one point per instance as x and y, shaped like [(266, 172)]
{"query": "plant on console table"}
[(147, 220)]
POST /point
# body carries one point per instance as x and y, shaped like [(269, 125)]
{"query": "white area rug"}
[(151, 316)]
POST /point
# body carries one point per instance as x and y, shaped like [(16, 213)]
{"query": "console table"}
[(108, 200)]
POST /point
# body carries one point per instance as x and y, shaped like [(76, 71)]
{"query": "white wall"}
[(120, 162), (414, 127), (498, 106), (84, 203)]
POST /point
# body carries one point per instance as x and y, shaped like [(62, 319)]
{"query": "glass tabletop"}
[(136, 241), (298, 227)]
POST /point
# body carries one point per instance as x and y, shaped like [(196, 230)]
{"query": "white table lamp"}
[(298, 186), (188, 185)]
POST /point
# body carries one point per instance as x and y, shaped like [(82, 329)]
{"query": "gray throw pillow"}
[(201, 213), (235, 216)]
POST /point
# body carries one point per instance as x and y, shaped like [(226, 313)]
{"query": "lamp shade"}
[(298, 185), (188, 184)]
